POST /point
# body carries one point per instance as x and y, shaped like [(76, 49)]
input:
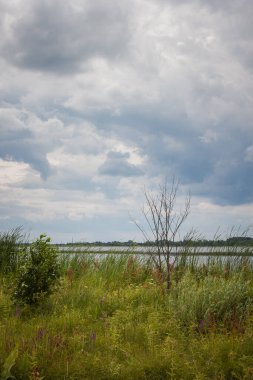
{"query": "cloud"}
[(18, 143), (116, 164), (59, 37), (100, 98), (249, 154)]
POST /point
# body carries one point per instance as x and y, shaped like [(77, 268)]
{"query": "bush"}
[(38, 274), (9, 250)]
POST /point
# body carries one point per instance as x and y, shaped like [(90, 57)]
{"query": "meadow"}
[(113, 318)]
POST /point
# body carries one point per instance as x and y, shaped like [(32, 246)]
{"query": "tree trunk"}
[(168, 279)]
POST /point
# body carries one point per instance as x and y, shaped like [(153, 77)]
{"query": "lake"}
[(196, 251), (198, 255)]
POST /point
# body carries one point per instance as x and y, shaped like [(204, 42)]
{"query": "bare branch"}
[(164, 222)]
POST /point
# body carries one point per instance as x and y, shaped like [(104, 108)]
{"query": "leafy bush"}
[(38, 273), (9, 249)]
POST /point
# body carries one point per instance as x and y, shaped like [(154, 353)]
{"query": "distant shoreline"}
[(145, 250)]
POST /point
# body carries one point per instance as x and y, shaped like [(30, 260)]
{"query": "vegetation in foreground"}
[(115, 319)]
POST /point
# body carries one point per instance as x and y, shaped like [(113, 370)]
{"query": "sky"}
[(100, 99)]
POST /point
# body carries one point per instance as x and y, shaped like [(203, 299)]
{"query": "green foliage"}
[(112, 319), (38, 273), (10, 361), (10, 244), (210, 300), (34, 371)]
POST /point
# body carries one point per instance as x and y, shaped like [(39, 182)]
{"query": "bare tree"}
[(164, 222)]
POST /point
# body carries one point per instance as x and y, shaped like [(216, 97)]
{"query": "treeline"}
[(230, 242)]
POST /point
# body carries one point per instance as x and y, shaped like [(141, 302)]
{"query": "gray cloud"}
[(59, 37), (169, 82), (214, 160), (116, 165), (18, 142)]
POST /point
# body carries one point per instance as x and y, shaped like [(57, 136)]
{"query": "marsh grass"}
[(10, 247), (114, 319)]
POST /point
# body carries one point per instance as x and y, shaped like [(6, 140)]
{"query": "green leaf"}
[(8, 364)]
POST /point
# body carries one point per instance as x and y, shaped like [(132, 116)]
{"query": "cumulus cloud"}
[(102, 97), (18, 142), (56, 36), (116, 164)]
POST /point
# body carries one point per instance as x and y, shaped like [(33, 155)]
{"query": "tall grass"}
[(10, 243), (113, 318), (206, 302)]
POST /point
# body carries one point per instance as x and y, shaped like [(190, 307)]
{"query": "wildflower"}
[(201, 325), (41, 332), (93, 336)]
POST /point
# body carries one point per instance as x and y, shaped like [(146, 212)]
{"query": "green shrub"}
[(38, 273), (9, 250)]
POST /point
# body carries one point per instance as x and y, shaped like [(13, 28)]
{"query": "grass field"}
[(113, 319)]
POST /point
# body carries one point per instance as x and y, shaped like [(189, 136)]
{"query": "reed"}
[(10, 247)]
